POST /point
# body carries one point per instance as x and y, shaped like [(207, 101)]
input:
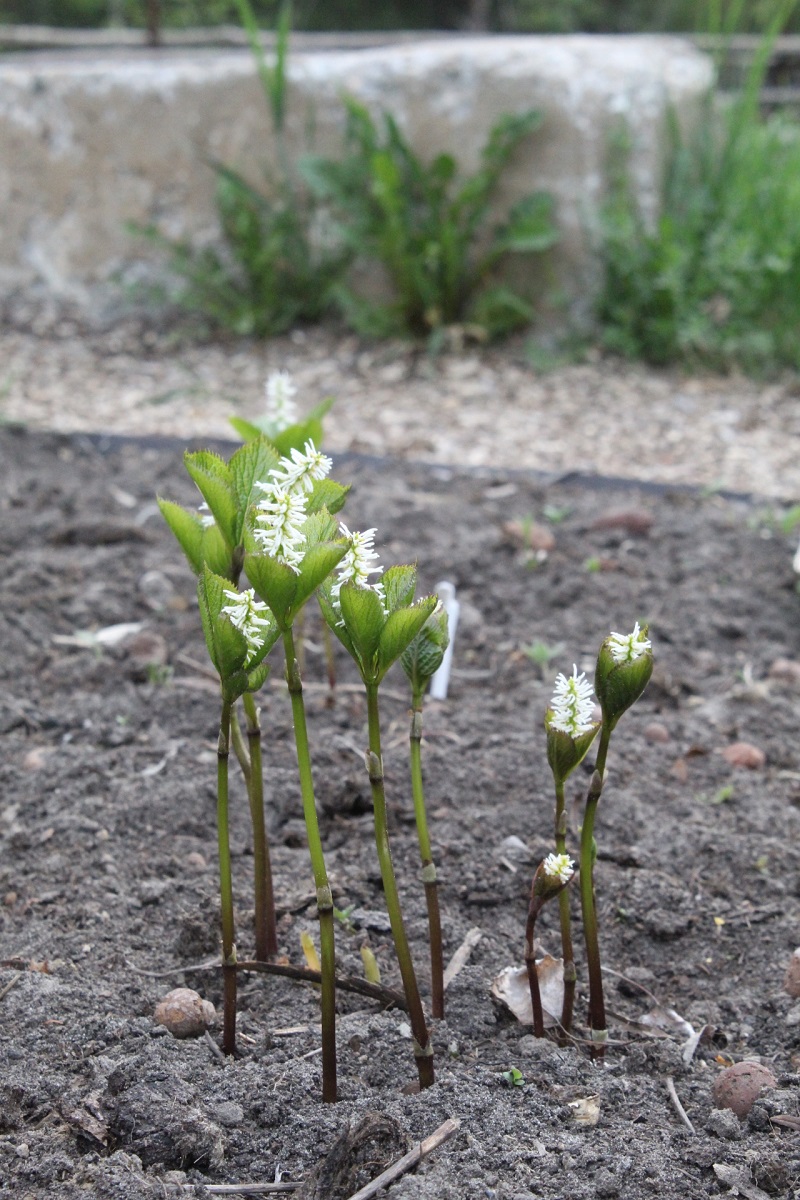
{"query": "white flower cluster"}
[(281, 408), (358, 563), (627, 647), (245, 613), (572, 704), (206, 519), (283, 511), (559, 867)]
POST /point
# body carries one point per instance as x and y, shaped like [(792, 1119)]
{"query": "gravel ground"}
[(473, 408)]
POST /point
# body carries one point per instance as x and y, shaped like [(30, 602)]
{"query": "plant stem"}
[(567, 953), (330, 661), (422, 1047), (239, 748), (324, 898), (530, 964), (225, 884), (264, 899), (426, 854), (597, 1013)]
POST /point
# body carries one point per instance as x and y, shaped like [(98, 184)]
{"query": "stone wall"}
[(90, 142)]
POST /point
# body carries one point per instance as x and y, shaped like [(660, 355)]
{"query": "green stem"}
[(597, 1013), (264, 899), (239, 748), (324, 898), (330, 660), (422, 1048), (225, 884), (426, 854), (567, 952)]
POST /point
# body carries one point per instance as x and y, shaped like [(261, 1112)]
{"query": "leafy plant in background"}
[(274, 266), (717, 278), (427, 228)]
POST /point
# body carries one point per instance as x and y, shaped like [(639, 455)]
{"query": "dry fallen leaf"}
[(511, 987), (586, 1110)]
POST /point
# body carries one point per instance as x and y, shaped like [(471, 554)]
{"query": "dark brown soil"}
[(109, 871)]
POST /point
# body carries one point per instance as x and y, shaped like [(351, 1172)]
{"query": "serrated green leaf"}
[(327, 493), (320, 527), (188, 530), (246, 430), (257, 677), (275, 583), (423, 656), (216, 552), (364, 619), (294, 437), (400, 629), (318, 563), (251, 464), (215, 484), (399, 584), (227, 647)]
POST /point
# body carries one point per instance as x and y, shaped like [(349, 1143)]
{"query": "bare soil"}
[(108, 868)]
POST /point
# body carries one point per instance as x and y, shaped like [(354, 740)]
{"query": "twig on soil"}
[(348, 983), (249, 1189), (461, 956), (420, 1151), (676, 1104), (214, 1047), (9, 985)]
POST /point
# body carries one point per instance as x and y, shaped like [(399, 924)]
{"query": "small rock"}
[(196, 861), (743, 754), (723, 1123), (791, 982), (36, 758), (679, 770), (656, 732), (228, 1113), (792, 1018), (156, 590), (632, 520), (787, 670), (143, 651), (514, 848), (184, 1013), (738, 1087)]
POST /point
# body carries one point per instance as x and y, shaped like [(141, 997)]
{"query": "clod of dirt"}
[(743, 754), (356, 1157), (164, 1128), (787, 670), (791, 981), (738, 1087), (656, 732), (144, 651), (631, 520), (184, 1013)]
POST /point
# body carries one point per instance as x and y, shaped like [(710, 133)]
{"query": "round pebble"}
[(738, 1087), (791, 982), (743, 754), (184, 1013), (656, 732)]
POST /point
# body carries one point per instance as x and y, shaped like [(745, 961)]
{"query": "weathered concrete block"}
[(87, 144)]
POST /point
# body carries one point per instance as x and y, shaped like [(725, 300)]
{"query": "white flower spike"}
[(572, 704), (278, 528), (559, 867), (245, 613), (358, 563), (297, 474), (627, 647), (281, 408)]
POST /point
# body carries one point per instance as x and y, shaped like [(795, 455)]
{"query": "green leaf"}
[(257, 677), (423, 657), (246, 430), (364, 619), (250, 465), (320, 527), (400, 629), (399, 585), (216, 552), (333, 618), (327, 493), (275, 583), (188, 529), (318, 562), (530, 227), (227, 647), (214, 481)]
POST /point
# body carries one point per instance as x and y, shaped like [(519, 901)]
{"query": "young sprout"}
[(570, 732), (421, 660), (550, 879), (376, 622), (238, 636), (624, 667), (292, 549), (214, 537)]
